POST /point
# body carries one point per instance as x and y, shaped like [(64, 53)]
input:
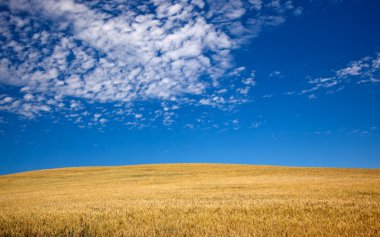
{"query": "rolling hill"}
[(191, 200)]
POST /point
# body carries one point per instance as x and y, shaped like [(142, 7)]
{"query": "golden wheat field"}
[(191, 200)]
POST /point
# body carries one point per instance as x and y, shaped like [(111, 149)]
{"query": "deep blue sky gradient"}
[(334, 130)]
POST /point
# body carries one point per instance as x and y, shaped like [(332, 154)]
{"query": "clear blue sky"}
[(87, 83)]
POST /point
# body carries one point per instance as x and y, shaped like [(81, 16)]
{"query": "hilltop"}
[(191, 200)]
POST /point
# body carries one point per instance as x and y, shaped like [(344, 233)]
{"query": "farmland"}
[(191, 200)]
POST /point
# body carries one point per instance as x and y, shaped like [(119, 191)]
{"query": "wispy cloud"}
[(58, 53), (275, 74), (362, 71), (372, 130)]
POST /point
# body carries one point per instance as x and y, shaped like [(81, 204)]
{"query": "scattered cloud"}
[(2, 120), (256, 124), (66, 56), (267, 96), (362, 132), (276, 74), (363, 71)]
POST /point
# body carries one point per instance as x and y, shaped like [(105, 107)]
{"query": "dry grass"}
[(191, 200)]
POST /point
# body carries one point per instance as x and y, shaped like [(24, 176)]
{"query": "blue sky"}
[(258, 82)]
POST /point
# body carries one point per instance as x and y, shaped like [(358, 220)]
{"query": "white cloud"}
[(28, 97), (267, 96), (365, 68), (275, 74), (362, 71), (29, 106), (256, 124), (103, 120), (126, 52), (353, 70)]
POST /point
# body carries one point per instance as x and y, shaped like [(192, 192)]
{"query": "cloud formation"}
[(56, 53), (362, 71)]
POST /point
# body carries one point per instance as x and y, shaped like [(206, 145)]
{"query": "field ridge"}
[(191, 199)]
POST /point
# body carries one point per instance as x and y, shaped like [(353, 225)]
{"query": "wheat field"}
[(191, 200)]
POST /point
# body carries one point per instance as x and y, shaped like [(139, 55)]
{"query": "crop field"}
[(191, 200)]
